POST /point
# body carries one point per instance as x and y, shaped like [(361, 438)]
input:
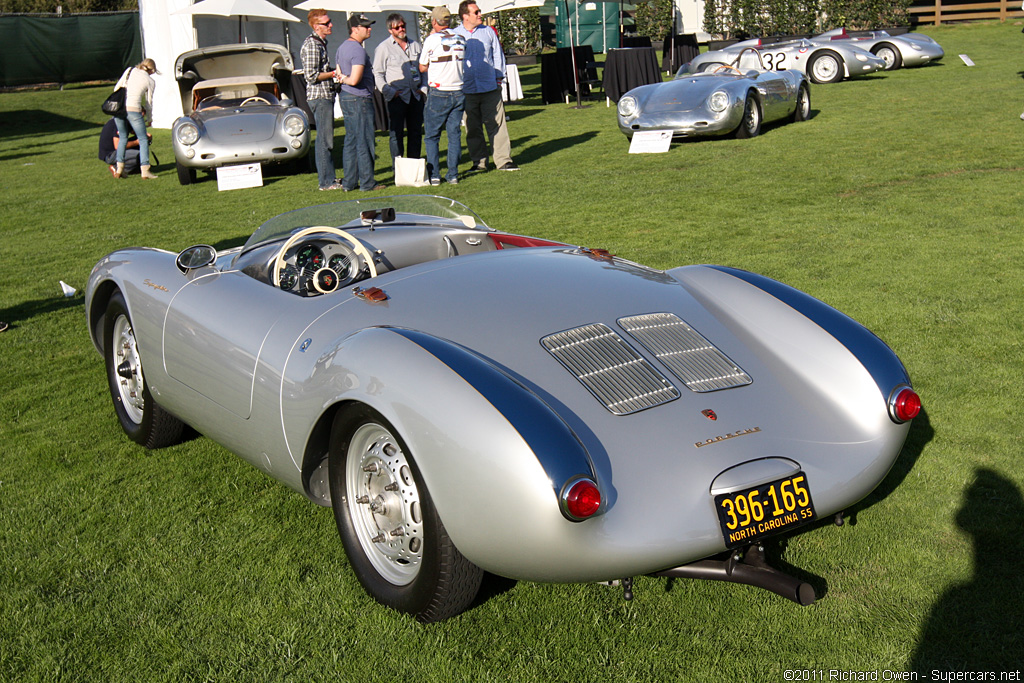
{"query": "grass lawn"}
[(898, 202)]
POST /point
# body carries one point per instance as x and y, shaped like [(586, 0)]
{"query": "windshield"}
[(410, 210)]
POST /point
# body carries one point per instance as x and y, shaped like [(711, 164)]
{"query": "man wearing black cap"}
[(356, 75)]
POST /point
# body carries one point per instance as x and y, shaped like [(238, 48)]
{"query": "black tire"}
[(186, 175), (825, 66), (417, 569), (750, 125), (141, 417), (803, 104), (890, 53)]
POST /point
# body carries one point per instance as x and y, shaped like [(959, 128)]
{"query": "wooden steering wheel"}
[(725, 67)]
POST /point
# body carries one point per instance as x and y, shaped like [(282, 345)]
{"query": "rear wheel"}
[(750, 126), (393, 537), (803, 104), (141, 418), (825, 67), (186, 175), (889, 54)]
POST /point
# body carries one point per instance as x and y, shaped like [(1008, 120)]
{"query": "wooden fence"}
[(940, 11)]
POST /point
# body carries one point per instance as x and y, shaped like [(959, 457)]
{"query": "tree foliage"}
[(654, 18), (519, 31), (743, 18), (67, 6)]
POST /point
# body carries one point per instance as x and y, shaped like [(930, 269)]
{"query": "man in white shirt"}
[(441, 59)]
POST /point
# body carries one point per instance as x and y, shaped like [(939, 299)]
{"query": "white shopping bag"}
[(410, 172)]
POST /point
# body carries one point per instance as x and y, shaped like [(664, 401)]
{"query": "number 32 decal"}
[(774, 61)]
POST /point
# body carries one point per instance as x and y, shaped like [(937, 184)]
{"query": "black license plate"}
[(764, 510)]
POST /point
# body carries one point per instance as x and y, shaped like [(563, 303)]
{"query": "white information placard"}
[(650, 141), (237, 177), (967, 60)]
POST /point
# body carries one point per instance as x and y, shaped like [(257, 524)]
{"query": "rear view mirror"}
[(196, 257), (371, 216)]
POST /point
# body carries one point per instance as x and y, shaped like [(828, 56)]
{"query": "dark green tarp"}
[(68, 49)]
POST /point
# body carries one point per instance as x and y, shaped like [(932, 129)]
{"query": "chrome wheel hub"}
[(384, 504), (129, 369)]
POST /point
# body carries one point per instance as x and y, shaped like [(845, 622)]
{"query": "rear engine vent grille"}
[(690, 357), (606, 365)]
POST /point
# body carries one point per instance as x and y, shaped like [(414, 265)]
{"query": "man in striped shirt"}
[(319, 75)]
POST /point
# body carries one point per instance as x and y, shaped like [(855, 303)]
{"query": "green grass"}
[(899, 202)]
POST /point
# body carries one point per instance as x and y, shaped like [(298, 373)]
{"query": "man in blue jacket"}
[(484, 70)]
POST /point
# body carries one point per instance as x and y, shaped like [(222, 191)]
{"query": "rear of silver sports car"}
[(708, 409)]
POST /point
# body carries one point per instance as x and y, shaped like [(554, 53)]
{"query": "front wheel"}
[(141, 417), (750, 126), (825, 67), (803, 104), (186, 175), (393, 537), (889, 54)]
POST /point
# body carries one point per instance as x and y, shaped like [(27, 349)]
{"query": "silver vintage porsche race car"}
[(236, 110), (468, 399), (821, 63), (907, 49), (712, 98)]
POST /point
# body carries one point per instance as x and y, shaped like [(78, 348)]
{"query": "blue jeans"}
[(443, 111), (138, 124), (359, 152), (323, 115), (404, 116)]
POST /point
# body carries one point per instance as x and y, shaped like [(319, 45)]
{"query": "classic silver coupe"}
[(470, 400), (819, 62), (906, 49), (712, 98), (236, 110)]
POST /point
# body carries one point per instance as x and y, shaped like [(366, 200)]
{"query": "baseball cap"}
[(441, 16), (359, 20)]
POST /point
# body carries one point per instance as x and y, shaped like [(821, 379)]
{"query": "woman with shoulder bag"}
[(138, 84)]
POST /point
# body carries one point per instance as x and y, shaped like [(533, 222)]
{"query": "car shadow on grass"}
[(977, 625), (535, 152)]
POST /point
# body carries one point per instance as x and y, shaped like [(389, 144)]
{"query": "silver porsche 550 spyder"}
[(467, 399), (907, 49), (713, 98), (821, 63), (236, 111)]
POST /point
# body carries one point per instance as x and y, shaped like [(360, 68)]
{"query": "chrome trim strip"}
[(700, 365)]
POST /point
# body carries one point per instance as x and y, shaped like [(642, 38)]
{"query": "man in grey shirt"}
[(396, 72)]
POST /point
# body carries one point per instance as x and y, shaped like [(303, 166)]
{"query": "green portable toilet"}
[(598, 24)]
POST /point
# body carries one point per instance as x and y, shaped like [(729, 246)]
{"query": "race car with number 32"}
[(469, 400), (821, 63)]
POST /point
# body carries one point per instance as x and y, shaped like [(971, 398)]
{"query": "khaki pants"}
[(486, 110)]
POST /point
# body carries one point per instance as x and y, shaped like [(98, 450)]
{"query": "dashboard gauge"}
[(345, 265), (288, 278), (309, 257)]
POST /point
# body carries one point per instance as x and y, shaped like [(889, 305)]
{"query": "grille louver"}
[(686, 353), (606, 365)]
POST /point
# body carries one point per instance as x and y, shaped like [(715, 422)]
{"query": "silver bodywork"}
[(907, 49), (685, 105), (470, 358), (820, 63), (237, 109)]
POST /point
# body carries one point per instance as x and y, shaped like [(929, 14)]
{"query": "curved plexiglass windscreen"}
[(409, 209)]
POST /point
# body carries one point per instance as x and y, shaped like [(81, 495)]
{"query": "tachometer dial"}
[(288, 278), (309, 257)]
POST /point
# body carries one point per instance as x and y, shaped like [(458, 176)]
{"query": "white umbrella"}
[(359, 6), (261, 10)]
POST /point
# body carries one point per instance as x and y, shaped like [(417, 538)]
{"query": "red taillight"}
[(904, 405), (581, 500)]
